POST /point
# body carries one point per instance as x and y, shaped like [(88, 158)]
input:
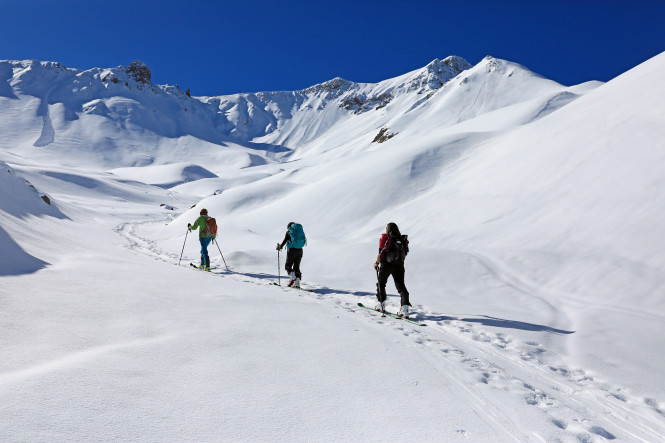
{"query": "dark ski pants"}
[(397, 271), (293, 258), (205, 258)]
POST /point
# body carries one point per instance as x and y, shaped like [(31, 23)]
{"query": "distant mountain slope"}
[(298, 117), (123, 95), (126, 96), (111, 109)]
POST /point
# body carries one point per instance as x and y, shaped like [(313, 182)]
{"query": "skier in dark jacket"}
[(293, 253), (393, 248), (204, 238)]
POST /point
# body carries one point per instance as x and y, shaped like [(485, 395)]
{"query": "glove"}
[(279, 248), (189, 225)]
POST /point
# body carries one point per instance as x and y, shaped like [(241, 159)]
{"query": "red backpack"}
[(211, 228)]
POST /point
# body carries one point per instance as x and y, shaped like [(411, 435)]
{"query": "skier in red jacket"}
[(393, 248)]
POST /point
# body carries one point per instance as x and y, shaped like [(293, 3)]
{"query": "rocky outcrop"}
[(139, 72), (330, 89), (437, 73), (383, 135)]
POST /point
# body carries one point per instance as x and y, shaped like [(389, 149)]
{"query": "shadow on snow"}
[(14, 260), (484, 320), (495, 322)]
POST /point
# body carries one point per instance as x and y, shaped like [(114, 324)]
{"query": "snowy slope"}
[(554, 207), (534, 212), (21, 203)]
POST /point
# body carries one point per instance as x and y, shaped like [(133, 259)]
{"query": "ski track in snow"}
[(581, 407)]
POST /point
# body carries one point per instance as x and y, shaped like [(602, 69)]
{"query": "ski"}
[(196, 267), (292, 287), (390, 314)]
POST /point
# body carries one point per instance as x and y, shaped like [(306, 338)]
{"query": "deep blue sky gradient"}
[(225, 47)]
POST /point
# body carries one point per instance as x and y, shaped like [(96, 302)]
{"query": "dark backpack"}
[(396, 249)]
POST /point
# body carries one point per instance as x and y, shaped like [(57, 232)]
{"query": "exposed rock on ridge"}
[(139, 72)]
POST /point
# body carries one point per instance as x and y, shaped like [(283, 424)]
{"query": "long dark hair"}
[(393, 230)]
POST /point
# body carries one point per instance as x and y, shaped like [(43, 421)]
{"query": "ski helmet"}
[(204, 211)]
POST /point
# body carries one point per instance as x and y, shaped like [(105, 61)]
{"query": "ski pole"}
[(378, 292), (220, 253), (183, 247), (279, 274)]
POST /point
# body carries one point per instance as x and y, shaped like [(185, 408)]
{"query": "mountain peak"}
[(336, 86), (452, 62), (139, 72), (437, 73)]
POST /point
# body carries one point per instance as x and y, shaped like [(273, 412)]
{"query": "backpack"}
[(396, 249), (211, 228), (297, 234)]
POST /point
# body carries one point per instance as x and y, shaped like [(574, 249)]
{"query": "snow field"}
[(534, 212)]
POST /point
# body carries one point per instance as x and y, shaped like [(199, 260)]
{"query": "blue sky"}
[(226, 47)]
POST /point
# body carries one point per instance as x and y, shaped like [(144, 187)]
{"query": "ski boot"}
[(292, 278)]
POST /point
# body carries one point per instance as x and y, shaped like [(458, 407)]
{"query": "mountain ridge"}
[(268, 126), (242, 116)]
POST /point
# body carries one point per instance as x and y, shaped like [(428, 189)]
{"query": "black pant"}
[(293, 257), (397, 271)]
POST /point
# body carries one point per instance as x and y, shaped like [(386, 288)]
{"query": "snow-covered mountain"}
[(534, 213), (126, 96), (126, 104)]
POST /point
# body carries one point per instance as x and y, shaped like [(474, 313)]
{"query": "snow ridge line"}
[(570, 398)]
